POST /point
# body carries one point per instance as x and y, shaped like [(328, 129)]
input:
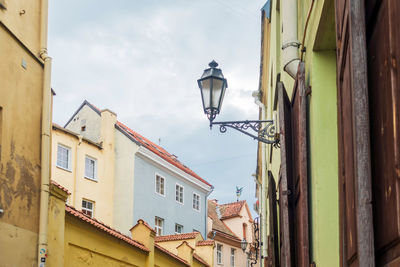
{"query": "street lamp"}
[(212, 86), (243, 244)]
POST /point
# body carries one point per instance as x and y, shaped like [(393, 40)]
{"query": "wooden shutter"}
[(383, 47), (355, 210), (273, 246), (300, 179), (285, 181)]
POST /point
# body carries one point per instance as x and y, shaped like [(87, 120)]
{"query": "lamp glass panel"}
[(205, 87), (216, 93)]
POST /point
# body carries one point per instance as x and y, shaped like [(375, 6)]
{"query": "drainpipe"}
[(290, 44), (263, 206), (206, 209), (45, 137)]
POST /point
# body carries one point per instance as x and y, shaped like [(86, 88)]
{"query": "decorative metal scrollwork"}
[(265, 129), (256, 243)]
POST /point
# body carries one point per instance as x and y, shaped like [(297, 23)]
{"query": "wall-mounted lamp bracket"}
[(264, 129)]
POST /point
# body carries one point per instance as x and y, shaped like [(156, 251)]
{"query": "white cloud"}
[(142, 59)]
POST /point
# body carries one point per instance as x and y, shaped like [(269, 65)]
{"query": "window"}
[(179, 193), (64, 157), (90, 168), (160, 185), (88, 207), (233, 257), (159, 226), (178, 229), (196, 201), (219, 254)]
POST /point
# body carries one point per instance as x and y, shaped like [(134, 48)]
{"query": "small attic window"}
[(83, 125)]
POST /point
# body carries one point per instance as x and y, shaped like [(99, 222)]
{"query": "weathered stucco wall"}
[(125, 151), (20, 132)]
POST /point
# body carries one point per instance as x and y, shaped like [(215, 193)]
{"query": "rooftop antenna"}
[(238, 192)]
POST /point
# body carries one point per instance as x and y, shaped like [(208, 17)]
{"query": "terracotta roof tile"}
[(61, 187), (171, 254), (198, 258), (164, 238), (230, 210), (205, 243), (104, 228), (218, 225), (159, 151)]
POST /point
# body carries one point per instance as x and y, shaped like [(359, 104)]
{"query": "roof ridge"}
[(106, 228), (161, 152)]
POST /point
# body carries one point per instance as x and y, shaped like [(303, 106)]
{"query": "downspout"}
[(263, 213), (290, 44), (206, 209), (45, 137)]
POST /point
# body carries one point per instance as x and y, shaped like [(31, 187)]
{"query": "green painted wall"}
[(323, 161)]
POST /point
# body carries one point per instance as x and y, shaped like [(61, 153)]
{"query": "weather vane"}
[(239, 192)]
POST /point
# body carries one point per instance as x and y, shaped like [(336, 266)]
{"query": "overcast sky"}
[(141, 59)]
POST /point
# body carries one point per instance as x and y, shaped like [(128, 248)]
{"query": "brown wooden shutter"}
[(355, 210), (300, 179), (285, 181), (384, 97), (273, 246)]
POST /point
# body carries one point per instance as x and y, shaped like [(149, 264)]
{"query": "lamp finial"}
[(213, 64)]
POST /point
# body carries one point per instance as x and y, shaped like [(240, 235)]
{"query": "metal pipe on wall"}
[(290, 44), (45, 137)]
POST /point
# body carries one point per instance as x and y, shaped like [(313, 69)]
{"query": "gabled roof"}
[(85, 102), (107, 229), (159, 151), (185, 236), (60, 187), (218, 225), (231, 210), (141, 140)]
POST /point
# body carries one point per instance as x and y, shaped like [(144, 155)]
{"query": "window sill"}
[(160, 194), (64, 169), (91, 179)]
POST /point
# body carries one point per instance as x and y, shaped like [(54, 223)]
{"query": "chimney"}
[(185, 251)]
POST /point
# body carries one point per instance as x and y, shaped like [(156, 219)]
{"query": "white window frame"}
[(68, 157), (193, 203), (95, 169), (233, 257), (159, 228), (183, 193), (178, 225), (85, 209), (155, 188), (219, 254)]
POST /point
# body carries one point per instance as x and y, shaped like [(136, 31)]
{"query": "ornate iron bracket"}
[(265, 129), (256, 243)]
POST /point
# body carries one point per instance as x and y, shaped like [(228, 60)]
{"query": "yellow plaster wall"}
[(20, 132), (85, 245), (100, 191), (161, 259)]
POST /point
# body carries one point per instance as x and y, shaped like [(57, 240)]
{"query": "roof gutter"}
[(290, 44)]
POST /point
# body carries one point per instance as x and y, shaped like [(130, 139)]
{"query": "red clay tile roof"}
[(205, 243), (198, 258), (104, 228), (145, 224), (61, 187), (161, 152), (171, 254), (218, 225), (164, 238), (231, 210)]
